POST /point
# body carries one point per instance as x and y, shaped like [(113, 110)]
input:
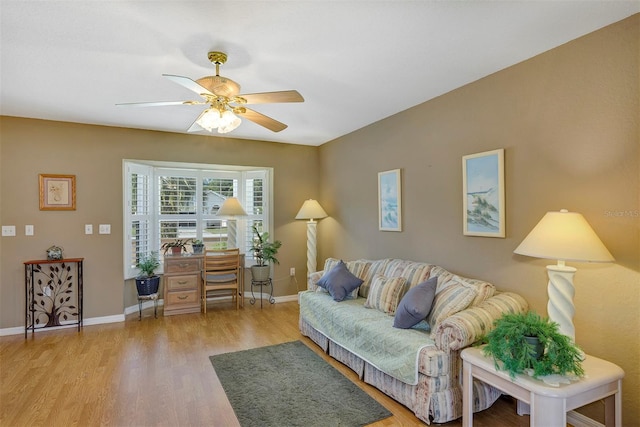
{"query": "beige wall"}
[(94, 154), (568, 121)]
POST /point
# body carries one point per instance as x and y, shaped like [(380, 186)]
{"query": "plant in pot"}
[(264, 252), (176, 247), (510, 343), (147, 282), (198, 246)]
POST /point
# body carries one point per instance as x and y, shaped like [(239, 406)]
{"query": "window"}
[(168, 201)]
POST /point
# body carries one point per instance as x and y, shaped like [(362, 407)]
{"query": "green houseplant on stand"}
[(147, 282), (508, 344), (264, 252)]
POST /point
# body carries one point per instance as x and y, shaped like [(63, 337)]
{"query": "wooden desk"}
[(549, 405), (183, 283)]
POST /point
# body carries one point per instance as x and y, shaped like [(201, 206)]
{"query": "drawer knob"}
[(182, 282), (184, 265), (183, 297)]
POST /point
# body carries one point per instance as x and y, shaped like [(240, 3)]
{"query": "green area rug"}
[(289, 385)]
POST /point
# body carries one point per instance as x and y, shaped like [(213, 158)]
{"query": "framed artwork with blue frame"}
[(390, 200), (483, 194)]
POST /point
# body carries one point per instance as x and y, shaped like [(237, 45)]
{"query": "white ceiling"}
[(354, 62)]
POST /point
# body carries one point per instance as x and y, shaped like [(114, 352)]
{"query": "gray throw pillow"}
[(416, 304), (339, 281)]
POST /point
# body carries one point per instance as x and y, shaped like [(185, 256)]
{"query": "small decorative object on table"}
[(54, 253), (198, 246), (508, 343), (176, 247)]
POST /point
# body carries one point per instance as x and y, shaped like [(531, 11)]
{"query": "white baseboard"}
[(18, 330), (86, 322)]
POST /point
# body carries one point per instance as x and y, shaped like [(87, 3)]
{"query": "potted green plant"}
[(509, 343), (198, 246), (176, 247), (147, 282), (264, 252)]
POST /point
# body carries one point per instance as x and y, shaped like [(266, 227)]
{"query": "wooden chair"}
[(221, 273)]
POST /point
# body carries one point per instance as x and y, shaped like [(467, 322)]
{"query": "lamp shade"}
[(311, 209), (565, 236), (231, 207)]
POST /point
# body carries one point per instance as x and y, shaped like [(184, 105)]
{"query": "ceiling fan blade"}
[(262, 120), (272, 97), (195, 127), (189, 84), (159, 103)]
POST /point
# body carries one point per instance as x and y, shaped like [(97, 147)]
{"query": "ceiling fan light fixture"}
[(228, 122), (209, 119)]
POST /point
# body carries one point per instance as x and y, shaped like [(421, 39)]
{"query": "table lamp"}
[(231, 208), (311, 210), (563, 236)]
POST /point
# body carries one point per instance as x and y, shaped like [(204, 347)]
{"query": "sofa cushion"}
[(375, 267), (385, 293), (416, 304), (340, 282), (449, 300)]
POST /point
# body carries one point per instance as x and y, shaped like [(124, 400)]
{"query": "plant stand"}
[(150, 297), (261, 284)]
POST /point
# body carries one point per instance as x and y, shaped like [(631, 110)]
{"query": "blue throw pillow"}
[(340, 282), (415, 304)]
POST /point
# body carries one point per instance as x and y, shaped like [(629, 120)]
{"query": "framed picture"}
[(389, 201), (483, 194), (57, 192)]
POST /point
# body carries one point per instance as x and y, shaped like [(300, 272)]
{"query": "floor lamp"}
[(563, 236), (231, 208), (311, 210)]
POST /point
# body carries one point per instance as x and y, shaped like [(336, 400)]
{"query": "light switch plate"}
[(28, 230), (8, 230), (88, 229), (105, 229)]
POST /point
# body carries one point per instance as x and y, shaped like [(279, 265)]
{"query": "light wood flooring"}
[(156, 372)]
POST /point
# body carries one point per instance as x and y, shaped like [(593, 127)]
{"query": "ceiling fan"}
[(225, 102)]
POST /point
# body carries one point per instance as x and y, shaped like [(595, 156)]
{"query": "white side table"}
[(549, 405)]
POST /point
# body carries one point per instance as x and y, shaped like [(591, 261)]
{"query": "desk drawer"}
[(183, 265), (186, 282), (183, 297)]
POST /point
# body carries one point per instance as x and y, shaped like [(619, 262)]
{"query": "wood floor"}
[(156, 372)]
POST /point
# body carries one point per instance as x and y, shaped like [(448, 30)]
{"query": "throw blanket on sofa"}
[(350, 325)]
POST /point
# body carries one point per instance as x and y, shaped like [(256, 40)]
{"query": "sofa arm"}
[(468, 326), (312, 280)]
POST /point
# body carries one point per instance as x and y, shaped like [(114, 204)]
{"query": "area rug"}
[(288, 385)]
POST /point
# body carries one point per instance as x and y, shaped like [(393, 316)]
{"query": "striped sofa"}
[(419, 367)]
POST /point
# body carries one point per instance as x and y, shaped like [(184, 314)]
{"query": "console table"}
[(53, 293), (548, 404)]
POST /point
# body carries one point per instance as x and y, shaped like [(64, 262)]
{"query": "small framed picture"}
[(390, 201), (57, 192), (483, 194)]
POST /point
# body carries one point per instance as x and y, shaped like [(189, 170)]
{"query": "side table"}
[(548, 404)]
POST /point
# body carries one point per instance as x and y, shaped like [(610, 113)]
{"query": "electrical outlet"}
[(28, 230), (8, 230), (292, 271), (104, 229)]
